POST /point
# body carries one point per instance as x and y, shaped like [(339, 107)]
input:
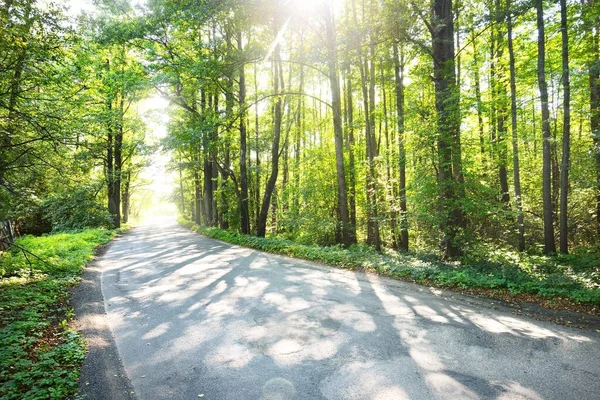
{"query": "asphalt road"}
[(197, 318)]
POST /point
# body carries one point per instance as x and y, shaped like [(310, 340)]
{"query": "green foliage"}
[(40, 354), (541, 276), (77, 209)]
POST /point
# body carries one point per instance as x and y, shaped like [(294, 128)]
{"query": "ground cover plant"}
[(574, 278), (40, 355)]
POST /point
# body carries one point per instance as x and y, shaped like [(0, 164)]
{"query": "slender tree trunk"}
[(594, 79), (478, 101), (197, 194), (113, 206), (566, 141), (118, 154), (299, 134), (266, 202), (244, 209), (351, 142), (347, 229), (373, 154), (181, 192), (501, 107), (515, 137), (447, 106), (257, 142), (399, 77), (125, 197), (549, 244)]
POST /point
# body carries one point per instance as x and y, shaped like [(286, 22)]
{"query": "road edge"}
[(102, 374), (534, 311)]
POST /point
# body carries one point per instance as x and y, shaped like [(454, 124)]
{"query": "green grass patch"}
[(40, 356), (545, 277)]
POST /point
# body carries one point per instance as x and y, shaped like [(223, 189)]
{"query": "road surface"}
[(196, 318)]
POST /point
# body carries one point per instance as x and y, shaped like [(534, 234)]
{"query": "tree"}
[(448, 122), (566, 141), (549, 244)]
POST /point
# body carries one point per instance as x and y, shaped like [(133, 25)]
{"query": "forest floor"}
[(40, 352), (194, 317)]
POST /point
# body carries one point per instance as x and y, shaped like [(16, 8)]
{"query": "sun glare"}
[(307, 6)]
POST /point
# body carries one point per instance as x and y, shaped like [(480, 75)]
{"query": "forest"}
[(446, 127), (451, 143)]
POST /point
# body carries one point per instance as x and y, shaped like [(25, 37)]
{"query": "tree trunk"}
[(207, 167), (125, 201), (257, 142), (399, 77), (594, 82), (515, 138), (566, 140), (181, 191), (197, 194), (266, 202), (478, 101), (549, 244), (244, 211), (351, 141), (347, 229), (501, 107), (373, 153), (447, 106)]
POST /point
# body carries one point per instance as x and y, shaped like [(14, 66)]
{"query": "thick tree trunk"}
[(347, 229), (515, 137), (549, 244), (447, 106), (566, 140), (399, 77)]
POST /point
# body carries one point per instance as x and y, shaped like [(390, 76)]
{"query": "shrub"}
[(78, 209)]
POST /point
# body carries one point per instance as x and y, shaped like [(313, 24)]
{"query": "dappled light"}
[(245, 317)]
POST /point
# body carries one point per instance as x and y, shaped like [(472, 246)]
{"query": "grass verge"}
[(40, 355), (552, 282)]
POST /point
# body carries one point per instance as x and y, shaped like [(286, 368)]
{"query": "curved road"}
[(197, 318)]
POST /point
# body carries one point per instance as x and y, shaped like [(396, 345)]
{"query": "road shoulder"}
[(102, 374)]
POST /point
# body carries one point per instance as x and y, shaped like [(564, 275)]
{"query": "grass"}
[(40, 355), (548, 280)]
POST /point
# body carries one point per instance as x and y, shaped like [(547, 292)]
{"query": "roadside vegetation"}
[(41, 355), (571, 281)]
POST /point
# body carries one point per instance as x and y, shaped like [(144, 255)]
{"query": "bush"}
[(78, 209)]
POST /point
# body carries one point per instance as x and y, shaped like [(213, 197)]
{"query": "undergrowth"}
[(40, 355), (514, 273)]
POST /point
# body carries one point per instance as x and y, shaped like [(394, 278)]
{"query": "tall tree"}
[(514, 128), (348, 230), (549, 244), (566, 140), (448, 124)]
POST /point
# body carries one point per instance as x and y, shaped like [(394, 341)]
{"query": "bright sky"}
[(154, 113)]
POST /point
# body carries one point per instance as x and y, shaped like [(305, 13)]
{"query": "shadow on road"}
[(192, 316)]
